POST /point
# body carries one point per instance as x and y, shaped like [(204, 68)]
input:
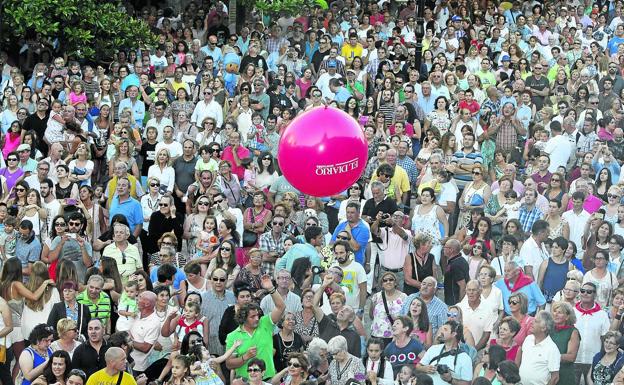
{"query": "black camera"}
[(385, 216), (442, 369), (316, 270)]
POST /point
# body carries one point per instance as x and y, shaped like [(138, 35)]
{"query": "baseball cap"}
[(331, 63), (505, 58)]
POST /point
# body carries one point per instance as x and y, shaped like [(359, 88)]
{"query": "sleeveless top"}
[(419, 272), (17, 307), (37, 360), (566, 369), (554, 278), (36, 221), (190, 288), (428, 224), (63, 192)]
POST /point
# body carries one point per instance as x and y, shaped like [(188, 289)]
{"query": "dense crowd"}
[(147, 235)]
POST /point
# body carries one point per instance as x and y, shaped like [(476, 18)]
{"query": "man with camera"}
[(395, 241), (446, 363)]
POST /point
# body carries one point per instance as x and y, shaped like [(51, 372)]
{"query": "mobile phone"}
[(71, 235), (71, 202)]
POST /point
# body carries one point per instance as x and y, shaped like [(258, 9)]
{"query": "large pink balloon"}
[(323, 152)]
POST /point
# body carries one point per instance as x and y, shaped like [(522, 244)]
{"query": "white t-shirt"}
[(353, 275), (591, 328), (461, 368), (533, 255), (559, 150)]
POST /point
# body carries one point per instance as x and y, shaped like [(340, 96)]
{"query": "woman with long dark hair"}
[(226, 260)]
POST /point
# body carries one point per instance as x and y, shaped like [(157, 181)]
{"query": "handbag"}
[(249, 237), (3, 352)]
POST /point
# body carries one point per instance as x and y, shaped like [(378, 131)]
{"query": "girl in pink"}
[(12, 139), (77, 94)]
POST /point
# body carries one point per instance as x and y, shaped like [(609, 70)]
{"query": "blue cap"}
[(331, 63), (505, 58), (456, 18)]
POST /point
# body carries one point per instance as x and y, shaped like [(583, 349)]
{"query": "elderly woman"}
[(344, 367), (56, 371), (295, 373), (386, 307), (67, 331), (194, 223), (567, 339), (125, 254), (313, 207), (70, 308), (319, 364), (570, 291), (287, 342), (607, 362), (149, 204), (305, 322), (33, 358), (507, 330)]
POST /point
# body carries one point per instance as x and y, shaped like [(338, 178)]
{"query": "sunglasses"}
[(452, 314), (476, 173), (226, 249), (203, 203), (612, 196), (154, 184), (218, 279), (513, 302), (166, 243), (163, 204), (20, 189), (213, 150), (266, 158), (60, 224), (294, 364), (254, 370), (12, 159), (278, 223), (218, 201), (587, 291), (386, 280), (341, 238), (75, 224)]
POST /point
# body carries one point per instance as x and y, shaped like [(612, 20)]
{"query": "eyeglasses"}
[(154, 184), (166, 243), (612, 196), (254, 370), (343, 238), (163, 204), (587, 291), (294, 364), (275, 223), (203, 203), (219, 279)]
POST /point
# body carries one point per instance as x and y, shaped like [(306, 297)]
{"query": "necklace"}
[(287, 346), (340, 373)]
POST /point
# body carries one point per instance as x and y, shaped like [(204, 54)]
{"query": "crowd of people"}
[(147, 235)]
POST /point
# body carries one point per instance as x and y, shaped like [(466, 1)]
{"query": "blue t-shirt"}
[(407, 355), (177, 278), (360, 233)]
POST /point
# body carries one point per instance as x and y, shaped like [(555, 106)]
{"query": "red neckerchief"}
[(522, 281), (591, 311), (562, 327)]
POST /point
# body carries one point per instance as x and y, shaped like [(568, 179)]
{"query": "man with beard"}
[(446, 362), (354, 276), (49, 201), (617, 145)]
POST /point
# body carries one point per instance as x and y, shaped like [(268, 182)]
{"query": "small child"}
[(511, 208), (201, 370), (508, 97), (208, 237), (54, 130), (181, 371), (8, 238), (115, 136), (58, 68), (256, 135), (406, 375), (205, 162), (127, 308), (77, 94), (435, 183), (190, 320)]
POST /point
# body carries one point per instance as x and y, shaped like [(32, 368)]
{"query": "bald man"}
[(115, 366), (145, 331), (455, 273)]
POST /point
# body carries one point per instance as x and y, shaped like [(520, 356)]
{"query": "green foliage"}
[(89, 29), (276, 7)]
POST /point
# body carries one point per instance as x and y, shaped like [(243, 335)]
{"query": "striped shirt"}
[(461, 158), (99, 310)]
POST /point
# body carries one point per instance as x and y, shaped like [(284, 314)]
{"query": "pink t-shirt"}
[(242, 152), (75, 99)]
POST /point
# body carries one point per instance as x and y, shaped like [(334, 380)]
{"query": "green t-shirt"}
[(262, 339)]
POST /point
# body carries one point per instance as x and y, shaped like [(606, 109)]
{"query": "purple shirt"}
[(11, 178), (541, 179), (591, 204)]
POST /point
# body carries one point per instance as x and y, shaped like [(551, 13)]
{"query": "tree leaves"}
[(86, 29)]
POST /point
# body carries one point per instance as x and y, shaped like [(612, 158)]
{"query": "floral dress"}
[(441, 121), (381, 325)]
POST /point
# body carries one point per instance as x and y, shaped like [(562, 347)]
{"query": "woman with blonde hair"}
[(567, 338), (419, 264), (67, 332), (123, 153), (81, 167), (37, 309), (162, 170)]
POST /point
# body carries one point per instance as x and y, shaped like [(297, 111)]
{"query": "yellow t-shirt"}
[(102, 378), (349, 52)]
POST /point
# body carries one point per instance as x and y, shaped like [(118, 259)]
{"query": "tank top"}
[(36, 221), (427, 223), (419, 272), (37, 360), (200, 290), (62, 193), (554, 278)]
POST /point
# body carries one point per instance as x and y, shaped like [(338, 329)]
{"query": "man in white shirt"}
[(208, 108), (51, 204), (159, 120), (477, 315), (174, 147), (34, 180), (539, 356), (577, 219), (558, 148), (533, 251)]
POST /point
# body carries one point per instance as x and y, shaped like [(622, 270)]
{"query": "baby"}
[(511, 208)]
